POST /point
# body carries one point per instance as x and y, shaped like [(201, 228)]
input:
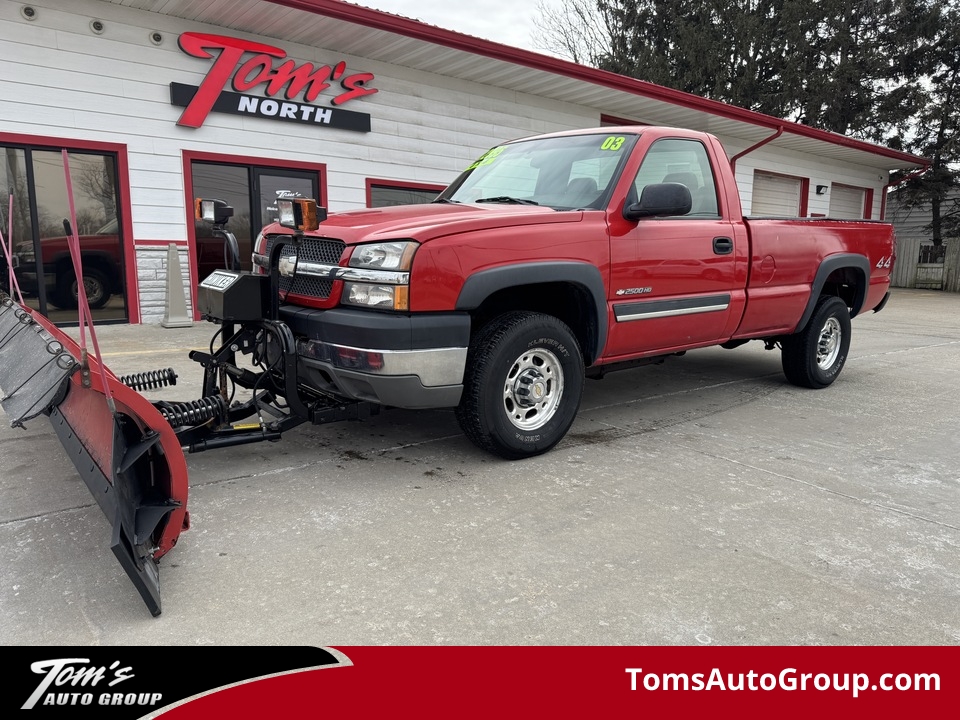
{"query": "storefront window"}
[(45, 272), (383, 193)]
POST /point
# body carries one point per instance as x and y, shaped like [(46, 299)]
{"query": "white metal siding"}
[(775, 195), (846, 202)]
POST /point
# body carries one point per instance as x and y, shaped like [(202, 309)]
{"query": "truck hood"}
[(429, 221)]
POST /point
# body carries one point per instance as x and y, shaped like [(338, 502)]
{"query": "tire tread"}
[(484, 348)]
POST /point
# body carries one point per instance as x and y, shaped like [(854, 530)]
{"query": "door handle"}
[(722, 246)]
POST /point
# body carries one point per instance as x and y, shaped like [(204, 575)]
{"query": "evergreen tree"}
[(881, 70), (935, 128), (826, 63)]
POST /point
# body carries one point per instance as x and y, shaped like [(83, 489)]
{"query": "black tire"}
[(513, 358), (814, 356), (95, 281)]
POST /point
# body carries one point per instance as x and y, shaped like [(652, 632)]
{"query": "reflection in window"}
[(45, 271), (685, 162), (13, 175), (390, 195)]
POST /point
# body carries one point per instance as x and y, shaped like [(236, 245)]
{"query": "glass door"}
[(252, 191), (272, 185), (45, 272)]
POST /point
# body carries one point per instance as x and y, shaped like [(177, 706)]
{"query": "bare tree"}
[(576, 30), (95, 178)]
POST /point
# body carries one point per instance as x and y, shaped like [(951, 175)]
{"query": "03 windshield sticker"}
[(488, 157), (612, 142)]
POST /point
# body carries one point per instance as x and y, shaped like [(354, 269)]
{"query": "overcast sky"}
[(505, 21)]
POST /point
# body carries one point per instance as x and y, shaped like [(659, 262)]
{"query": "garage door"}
[(846, 202), (776, 195)]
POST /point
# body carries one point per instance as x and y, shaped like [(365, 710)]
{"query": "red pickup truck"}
[(561, 257)]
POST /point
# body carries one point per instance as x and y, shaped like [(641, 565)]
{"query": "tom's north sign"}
[(289, 89)]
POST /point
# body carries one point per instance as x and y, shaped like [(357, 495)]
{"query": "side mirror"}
[(213, 211), (659, 200), (301, 214)]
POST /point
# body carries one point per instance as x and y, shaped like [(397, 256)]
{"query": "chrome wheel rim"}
[(92, 288), (532, 389), (828, 345)]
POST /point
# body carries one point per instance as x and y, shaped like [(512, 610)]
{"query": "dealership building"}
[(149, 104)]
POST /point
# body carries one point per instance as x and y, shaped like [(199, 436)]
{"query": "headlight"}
[(384, 256), (387, 297), (387, 266)]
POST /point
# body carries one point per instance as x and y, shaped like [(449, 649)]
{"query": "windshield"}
[(111, 228), (564, 173)]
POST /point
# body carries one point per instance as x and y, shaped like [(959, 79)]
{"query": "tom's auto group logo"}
[(134, 682), (74, 681)]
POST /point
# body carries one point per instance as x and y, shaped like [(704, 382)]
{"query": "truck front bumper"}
[(405, 361)]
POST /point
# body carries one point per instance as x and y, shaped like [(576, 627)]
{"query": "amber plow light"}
[(301, 214), (212, 211)]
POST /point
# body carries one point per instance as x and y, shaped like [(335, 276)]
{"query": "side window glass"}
[(685, 162)]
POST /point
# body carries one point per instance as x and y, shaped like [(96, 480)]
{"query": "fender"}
[(480, 286), (829, 265)]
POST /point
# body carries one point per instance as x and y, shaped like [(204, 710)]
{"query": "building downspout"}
[(755, 146), (886, 188)]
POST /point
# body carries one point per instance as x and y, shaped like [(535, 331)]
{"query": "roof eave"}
[(408, 27)]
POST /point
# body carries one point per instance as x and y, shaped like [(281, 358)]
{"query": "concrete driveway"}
[(704, 501)]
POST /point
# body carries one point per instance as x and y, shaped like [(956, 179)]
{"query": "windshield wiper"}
[(446, 200), (507, 199)]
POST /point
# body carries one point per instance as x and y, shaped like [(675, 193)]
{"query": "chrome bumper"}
[(436, 366), (412, 379)]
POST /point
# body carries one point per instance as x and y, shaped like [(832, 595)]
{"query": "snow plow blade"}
[(130, 459)]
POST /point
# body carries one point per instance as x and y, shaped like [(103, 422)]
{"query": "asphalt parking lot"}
[(703, 501)]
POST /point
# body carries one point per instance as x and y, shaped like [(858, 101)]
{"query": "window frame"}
[(124, 206)]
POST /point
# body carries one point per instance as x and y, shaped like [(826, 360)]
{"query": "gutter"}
[(905, 178), (755, 146)]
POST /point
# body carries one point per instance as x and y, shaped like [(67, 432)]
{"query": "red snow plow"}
[(130, 451), (123, 448)]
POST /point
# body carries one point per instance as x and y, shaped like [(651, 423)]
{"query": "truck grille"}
[(315, 250)]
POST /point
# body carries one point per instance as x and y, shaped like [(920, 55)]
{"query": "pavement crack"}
[(909, 349), (44, 515), (829, 491)]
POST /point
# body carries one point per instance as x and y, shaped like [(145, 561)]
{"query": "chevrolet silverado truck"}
[(549, 260), (553, 259)]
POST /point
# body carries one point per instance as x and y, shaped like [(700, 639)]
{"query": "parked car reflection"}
[(100, 254)]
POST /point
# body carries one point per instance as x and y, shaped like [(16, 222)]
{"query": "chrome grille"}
[(318, 250)]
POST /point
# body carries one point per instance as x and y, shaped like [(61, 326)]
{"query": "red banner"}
[(468, 682)]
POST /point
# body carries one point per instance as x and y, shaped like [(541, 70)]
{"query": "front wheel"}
[(523, 384), (814, 356)]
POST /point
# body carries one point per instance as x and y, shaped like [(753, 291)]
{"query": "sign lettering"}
[(281, 84)]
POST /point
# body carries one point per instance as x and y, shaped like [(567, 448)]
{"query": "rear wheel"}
[(95, 283), (815, 356), (523, 384)]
